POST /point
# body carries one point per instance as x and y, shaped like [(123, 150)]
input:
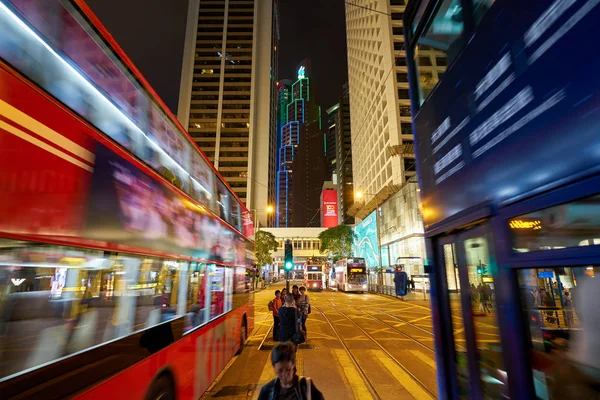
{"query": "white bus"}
[(351, 275)]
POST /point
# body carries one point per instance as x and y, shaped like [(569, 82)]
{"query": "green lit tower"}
[(301, 157)]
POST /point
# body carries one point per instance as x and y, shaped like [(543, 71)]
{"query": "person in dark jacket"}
[(288, 319), (287, 385)]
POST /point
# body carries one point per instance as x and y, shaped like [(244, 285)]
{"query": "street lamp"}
[(268, 210)]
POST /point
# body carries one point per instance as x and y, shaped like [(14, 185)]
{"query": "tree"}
[(336, 242), (264, 244)]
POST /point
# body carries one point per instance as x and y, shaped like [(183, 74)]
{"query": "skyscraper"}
[(383, 159), (343, 148), (301, 162), (227, 87), (379, 99), (330, 145)]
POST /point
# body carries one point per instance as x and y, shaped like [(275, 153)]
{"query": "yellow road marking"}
[(267, 373), (424, 358), (266, 376), (354, 379), (401, 376), (420, 319), (300, 362)]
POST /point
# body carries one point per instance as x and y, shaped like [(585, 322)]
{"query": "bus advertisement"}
[(351, 275), (123, 256)]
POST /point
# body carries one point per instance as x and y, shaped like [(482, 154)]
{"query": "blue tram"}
[(505, 97)]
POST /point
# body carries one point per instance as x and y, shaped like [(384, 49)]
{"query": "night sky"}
[(152, 33)]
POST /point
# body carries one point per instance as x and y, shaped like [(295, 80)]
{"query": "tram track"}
[(406, 335), (387, 353), (408, 323), (360, 370)]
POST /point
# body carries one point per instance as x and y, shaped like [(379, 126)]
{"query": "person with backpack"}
[(274, 306), (288, 385), (289, 322)]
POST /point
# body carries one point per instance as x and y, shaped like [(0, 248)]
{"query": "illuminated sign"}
[(520, 224), (314, 268), (17, 282), (487, 279), (301, 73), (329, 208), (357, 270), (545, 274)]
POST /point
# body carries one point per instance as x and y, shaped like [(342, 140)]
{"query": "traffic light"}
[(288, 261), (481, 270)]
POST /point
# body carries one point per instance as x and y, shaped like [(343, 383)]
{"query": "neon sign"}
[(301, 73), (520, 224)]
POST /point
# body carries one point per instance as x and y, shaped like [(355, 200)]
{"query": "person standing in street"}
[(288, 320), (295, 293), (287, 385), (274, 306), (303, 305)]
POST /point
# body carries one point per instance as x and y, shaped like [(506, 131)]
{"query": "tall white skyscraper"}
[(382, 141), (227, 92)]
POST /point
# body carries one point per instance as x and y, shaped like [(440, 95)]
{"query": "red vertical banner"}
[(329, 208), (248, 223)]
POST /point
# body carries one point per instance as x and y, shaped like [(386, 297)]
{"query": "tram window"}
[(561, 307), (442, 40), (565, 225), (483, 304)]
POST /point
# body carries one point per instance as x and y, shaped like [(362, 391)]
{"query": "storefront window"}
[(483, 302), (561, 306)]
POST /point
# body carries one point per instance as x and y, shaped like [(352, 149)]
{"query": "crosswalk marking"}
[(402, 377), (424, 358), (357, 384)]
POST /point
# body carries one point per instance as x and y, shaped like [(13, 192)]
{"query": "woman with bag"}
[(289, 325)]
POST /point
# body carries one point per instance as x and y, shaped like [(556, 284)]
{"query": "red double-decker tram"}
[(123, 253)]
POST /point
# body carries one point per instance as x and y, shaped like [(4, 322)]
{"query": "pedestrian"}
[(482, 298), (288, 385), (303, 305), (569, 310), (295, 293), (274, 306), (284, 292), (289, 321)]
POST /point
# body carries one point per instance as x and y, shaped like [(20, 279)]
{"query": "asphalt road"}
[(360, 346)]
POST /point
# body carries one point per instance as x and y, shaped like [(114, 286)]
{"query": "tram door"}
[(468, 273)]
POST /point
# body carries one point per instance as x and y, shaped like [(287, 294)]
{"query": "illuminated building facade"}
[(382, 140), (227, 100), (383, 158), (301, 156)]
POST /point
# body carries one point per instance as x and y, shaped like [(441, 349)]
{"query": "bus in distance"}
[(351, 275)]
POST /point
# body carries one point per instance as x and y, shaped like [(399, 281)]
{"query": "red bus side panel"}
[(194, 362), (44, 174)]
